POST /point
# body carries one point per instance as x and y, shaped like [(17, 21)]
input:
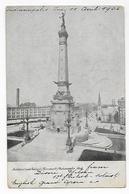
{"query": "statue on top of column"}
[(63, 21)]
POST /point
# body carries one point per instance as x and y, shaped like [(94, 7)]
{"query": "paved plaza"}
[(51, 146)]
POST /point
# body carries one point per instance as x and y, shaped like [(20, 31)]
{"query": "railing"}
[(31, 117)]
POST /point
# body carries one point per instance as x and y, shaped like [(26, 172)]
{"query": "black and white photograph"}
[(65, 75)]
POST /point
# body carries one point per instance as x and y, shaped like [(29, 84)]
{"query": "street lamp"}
[(87, 130), (27, 138), (23, 126), (86, 125), (69, 142)]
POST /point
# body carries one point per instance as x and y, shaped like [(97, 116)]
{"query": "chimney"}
[(99, 100), (17, 97)]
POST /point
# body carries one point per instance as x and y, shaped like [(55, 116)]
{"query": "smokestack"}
[(17, 97)]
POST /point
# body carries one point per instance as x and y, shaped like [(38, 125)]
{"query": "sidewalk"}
[(47, 146)]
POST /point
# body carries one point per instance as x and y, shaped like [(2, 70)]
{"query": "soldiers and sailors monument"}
[(62, 103)]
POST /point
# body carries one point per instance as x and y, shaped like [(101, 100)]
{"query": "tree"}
[(109, 117)]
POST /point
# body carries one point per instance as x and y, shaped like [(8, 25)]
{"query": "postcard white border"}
[(3, 151)]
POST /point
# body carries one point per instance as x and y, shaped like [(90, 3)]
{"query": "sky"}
[(95, 53)]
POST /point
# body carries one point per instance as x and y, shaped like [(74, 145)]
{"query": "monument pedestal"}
[(59, 113)]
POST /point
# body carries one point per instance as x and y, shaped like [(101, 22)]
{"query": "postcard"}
[(65, 69)]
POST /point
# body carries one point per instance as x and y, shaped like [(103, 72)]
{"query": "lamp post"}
[(23, 126), (69, 142), (27, 138), (86, 125), (87, 130)]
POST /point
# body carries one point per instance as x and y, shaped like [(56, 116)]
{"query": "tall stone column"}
[(62, 101)]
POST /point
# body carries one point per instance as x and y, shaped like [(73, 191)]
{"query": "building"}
[(21, 111), (28, 104), (82, 108), (121, 108), (110, 114), (107, 113), (62, 103), (113, 102), (14, 113)]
